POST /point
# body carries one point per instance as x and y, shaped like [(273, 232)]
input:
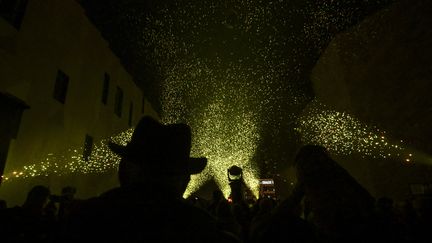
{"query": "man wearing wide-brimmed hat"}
[(154, 171), (158, 152)]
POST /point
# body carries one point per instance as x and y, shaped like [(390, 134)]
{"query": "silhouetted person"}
[(154, 171), (242, 215), (226, 219), (28, 223), (262, 215), (66, 203), (284, 223), (51, 210), (36, 201), (409, 218), (388, 226), (217, 197), (340, 207)]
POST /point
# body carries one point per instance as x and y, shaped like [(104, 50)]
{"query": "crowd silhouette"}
[(326, 205)]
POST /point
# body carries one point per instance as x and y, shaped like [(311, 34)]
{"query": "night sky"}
[(237, 71)]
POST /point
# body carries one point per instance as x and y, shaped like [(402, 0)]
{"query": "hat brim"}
[(118, 149), (194, 165)]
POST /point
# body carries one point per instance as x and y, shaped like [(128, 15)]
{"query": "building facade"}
[(380, 71), (72, 89)]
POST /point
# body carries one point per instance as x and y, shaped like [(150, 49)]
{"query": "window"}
[(88, 147), (61, 86), (13, 11), (118, 102), (130, 114), (105, 89)]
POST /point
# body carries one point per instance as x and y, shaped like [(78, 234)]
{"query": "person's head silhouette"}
[(158, 153)]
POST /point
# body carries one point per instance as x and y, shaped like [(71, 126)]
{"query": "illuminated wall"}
[(379, 72), (56, 35)]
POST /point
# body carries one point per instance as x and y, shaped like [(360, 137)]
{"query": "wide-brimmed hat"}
[(161, 148)]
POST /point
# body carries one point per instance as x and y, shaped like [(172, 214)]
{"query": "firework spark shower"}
[(231, 71), (235, 72)]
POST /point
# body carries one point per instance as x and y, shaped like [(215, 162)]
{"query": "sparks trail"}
[(101, 160), (342, 133)]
